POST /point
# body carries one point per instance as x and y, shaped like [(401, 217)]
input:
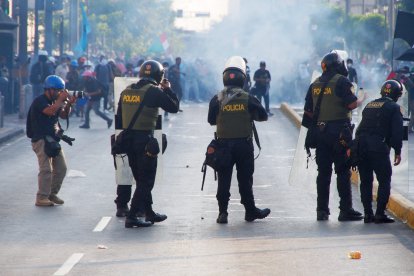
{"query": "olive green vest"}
[(332, 107), (233, 119), (131, 99)]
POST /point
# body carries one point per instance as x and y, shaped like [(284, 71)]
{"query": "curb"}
[(401, 207), (8, 134)]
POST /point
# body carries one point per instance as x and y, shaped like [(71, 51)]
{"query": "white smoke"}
[(278, 32)]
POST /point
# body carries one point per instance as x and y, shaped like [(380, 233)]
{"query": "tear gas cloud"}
[(276, 31)]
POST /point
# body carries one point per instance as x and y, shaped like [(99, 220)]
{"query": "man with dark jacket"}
[(233, 111), (39, 72), (105, 76), (93, 92), (381, 128), (334, 125), (261, 88), (153, 92), (43, 127)]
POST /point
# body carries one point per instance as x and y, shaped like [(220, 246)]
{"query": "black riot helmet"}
[(333, 62), (151, 70), (234, 72), (392, 89)]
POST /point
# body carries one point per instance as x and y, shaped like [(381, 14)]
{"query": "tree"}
[(369, 33), (129, 26), (328, 30), (361, 33)]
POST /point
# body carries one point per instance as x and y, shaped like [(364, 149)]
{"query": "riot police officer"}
[(156, 93), (381, 128), (233, 110), (334, 123)]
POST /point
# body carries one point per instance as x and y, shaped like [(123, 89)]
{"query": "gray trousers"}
[(52, 171)]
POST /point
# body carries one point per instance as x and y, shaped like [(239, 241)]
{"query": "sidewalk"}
[(401, 202), (13, 127)]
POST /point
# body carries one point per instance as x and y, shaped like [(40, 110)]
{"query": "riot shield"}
[(123, 174), (304, 168)]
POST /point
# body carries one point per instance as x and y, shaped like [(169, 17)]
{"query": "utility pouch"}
[(152, 148), (312, 137), (121, 143), (52, 146), (217, 156)]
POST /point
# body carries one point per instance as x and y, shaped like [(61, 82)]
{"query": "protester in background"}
[(192, 91), (262, 80), (39, 72), (104, 75), (129, 73), (352, 75), (166, 67), (63, 68), (174, 76), (73, 83), (116, 72), (93, 92)]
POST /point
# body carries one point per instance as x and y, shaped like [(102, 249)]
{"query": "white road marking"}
[(102, 224), (69, 264), (74, 174)]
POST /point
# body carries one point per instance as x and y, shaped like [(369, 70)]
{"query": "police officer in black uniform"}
[(233, 111), (334, 122), (157, 93), (381, 128)]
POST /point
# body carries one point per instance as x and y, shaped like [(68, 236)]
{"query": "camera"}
[(77, 94), (64, 138)]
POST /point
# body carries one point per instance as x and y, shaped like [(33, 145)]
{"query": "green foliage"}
[(329, 28), (129, 26), (363, 33), (369, 33)]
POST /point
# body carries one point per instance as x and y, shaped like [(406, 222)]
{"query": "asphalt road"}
[(83, 236)]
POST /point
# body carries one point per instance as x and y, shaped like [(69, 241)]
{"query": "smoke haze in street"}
[(276, 31)]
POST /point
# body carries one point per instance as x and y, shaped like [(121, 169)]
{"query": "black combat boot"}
[(152, 217), (256, 213), (349, 215), (322, 215), (381, 217), (222, 218), (131, 222), (368, 216), (122, 211)]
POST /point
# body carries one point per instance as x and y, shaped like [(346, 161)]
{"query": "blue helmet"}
[(54, 82), (74, 63)]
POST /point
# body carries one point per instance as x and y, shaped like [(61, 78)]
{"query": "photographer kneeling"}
[(43, 128)]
